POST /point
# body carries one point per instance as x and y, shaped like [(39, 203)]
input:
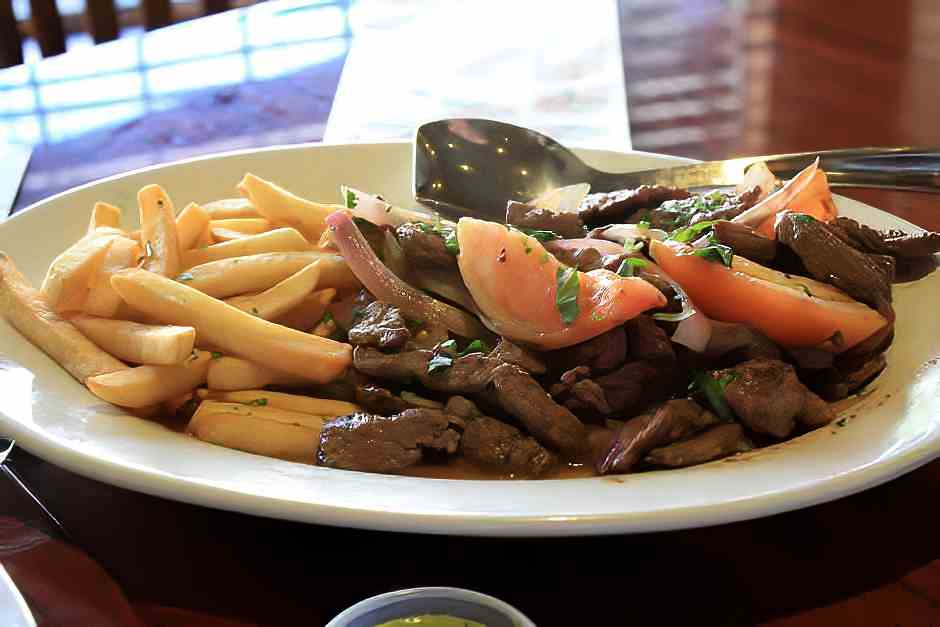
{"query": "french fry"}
[(102, 300), (71, 274), (27, 310), (279, 240), (232, 374), (225, 235), (309, 312), (282, 400), (148, 385), (138, 343), (256, 273), (279, 205), (158, 235), (234, 331), (281, 298), (227, 208), (242, 428), (257, 407), (104, 215), (246, 226), (192, 227)]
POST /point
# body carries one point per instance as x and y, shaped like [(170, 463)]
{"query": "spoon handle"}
[(911, 169)]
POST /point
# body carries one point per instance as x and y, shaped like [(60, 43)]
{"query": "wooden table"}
[(703, 78)]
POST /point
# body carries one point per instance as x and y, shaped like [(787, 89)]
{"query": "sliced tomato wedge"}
[(792, 311), (514, 282)]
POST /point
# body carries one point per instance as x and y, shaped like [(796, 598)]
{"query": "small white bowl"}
[(455, 602)]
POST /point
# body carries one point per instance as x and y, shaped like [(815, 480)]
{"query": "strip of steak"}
[(370, 443), (715, 443)]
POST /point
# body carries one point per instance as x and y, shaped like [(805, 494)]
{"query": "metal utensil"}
[(15, 159), (470, 166), (55, 528), (13, 608)]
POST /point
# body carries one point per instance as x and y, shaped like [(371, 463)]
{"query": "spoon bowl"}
[(472, 166)]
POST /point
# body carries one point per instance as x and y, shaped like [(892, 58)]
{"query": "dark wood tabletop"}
[(705, 79)]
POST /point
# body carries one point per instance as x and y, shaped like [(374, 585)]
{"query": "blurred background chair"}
[(51, 23)]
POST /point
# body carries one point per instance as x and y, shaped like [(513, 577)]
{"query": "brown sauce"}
[(460, 468)]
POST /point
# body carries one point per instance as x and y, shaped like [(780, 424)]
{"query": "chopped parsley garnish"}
[(643, 224), (568, 284), (806, 290), (254, 310), (258, 402), (446, 232), (326, 319), (630, 265), (803, 218), (476, 346), (681, 212), (841, 422), (597, 316), (186, 276), (539, 234), (718, 253), (216, 355), (447, 345), (714, 391), (349, 197), (443, 357), (689, 233)]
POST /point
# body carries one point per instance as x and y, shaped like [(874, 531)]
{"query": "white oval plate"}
[(895, 428)]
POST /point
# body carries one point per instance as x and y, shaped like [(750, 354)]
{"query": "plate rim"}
[(52, 449)]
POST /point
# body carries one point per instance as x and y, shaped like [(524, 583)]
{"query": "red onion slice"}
[(695, 328), (603, 246), (562, 199), (387, 287), (378, 211)]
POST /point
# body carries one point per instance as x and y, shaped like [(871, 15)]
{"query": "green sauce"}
[(432, 620)]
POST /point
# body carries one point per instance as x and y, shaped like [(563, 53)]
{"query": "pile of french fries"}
[(209, 305)]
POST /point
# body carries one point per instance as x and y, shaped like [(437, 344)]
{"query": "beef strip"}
[(567, 225), (617, 207), (462, 408), (517, 392), (715, 443), (577, 391), (378, 400), (584, 259), (521, 396), (467, 375), (829, 259), (423, 247), (510, 353), (381, 325), (766, 395), (601, 353), (717, 205), (739, 340), (838, 382), (637, 384), (490, 442), (894, 243), (745, 241), (370, 443), (671, 421), (648, 342)]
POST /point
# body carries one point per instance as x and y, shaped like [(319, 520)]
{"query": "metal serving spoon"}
[(472, 166)]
